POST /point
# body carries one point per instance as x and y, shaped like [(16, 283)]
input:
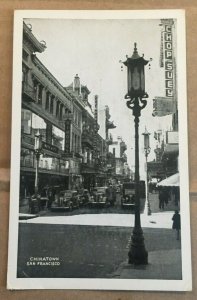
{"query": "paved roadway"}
[(83, 251)]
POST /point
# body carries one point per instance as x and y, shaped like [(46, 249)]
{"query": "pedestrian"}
[(166, 197), (161, 200), (50, 198), (176, 223)]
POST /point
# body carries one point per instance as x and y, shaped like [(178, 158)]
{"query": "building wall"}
[(45, 105)]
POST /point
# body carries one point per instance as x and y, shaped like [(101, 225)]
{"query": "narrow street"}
[(88, 251), (153, 198), (83, 251)]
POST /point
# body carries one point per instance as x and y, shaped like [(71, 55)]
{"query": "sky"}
[(93, 50)]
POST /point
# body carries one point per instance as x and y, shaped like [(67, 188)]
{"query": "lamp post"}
[(136, 102), (146, 152), (37, 151)]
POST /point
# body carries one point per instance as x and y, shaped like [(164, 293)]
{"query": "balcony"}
[(88, 167), (110, 125), (109, 140), (28, 92), (27, 140), (87, 139), (124, 158)]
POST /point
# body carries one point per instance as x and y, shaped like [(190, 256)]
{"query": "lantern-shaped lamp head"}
[(38, 141), (136, 79), (146, 139)]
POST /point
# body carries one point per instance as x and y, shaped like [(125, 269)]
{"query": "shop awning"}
[(170, 181), (171, 149)]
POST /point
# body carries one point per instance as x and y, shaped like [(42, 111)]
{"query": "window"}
[(27, 158), (51, 105), (75, 143), (40, 90), (61, 111), (26, 120), (47, 101), (25, 55), (57, 109), (58, 138), (24, 75)]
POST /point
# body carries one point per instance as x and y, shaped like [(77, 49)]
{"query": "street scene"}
[(103, 241), (99, 193)]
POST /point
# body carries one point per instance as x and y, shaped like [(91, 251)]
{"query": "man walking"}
[(176, 223)]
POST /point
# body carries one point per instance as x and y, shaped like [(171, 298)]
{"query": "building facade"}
[(73, 153), (118, 159), (46, 109)]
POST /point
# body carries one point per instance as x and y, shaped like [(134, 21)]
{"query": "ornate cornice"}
[(30, 40), (51, 78)]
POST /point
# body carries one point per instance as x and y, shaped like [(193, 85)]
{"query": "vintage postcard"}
[(99, 168)]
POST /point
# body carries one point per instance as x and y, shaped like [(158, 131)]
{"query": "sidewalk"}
[(157, 220), (163, 264)]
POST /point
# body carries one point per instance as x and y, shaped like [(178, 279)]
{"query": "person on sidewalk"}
[(176, 223), (161, 200)]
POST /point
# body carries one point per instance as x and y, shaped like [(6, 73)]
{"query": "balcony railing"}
[(87, 139), (28, 140)]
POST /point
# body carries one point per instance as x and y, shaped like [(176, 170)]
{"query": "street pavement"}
[(95, 252), (95, 244)]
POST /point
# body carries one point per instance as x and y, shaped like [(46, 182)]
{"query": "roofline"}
[(38, 46), (49, 74)]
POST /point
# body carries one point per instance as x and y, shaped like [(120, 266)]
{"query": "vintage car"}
[(84, 197), (67, 199), (99, 197), (128, 195)]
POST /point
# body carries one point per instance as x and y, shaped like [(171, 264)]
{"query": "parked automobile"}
[(99, 197), (128, 195), (84, 197), (67, 199)]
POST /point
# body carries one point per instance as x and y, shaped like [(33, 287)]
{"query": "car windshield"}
[(129, 192), (68, 193), (101, 189)]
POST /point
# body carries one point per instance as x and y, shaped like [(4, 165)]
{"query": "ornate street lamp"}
[(136, 92), (146, 152), (37, 151)]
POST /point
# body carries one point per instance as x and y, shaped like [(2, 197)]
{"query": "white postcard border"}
[(100, 284)]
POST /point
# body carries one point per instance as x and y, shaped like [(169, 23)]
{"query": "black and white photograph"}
[(99, 193)]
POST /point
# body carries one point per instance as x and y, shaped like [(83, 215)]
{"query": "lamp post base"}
[(137, 253)]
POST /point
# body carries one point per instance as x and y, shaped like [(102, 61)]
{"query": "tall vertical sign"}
[(67, 136), (167, 40), (95, 126)]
